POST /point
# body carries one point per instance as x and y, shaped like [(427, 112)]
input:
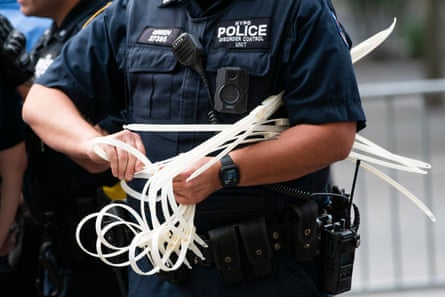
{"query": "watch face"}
[(230, 177)]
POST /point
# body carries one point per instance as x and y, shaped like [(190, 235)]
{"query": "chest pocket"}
[(152, 85), (258, 64)]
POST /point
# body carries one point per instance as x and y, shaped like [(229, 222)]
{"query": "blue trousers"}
[(289, 280)]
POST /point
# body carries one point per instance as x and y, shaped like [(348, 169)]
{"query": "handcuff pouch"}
[(302, 230), (225, 248), (257, 246)]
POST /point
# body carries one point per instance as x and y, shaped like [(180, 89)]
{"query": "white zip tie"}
[(367, 46), (157, 241), (175, 234), (401, 189)]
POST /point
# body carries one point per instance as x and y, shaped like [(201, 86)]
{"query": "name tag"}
[(159, 36)]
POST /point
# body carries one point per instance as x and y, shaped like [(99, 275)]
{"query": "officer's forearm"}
[(298, 151), (56, 120), (12, 167)]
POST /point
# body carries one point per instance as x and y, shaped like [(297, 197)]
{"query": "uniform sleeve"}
[(88, 69), (318, 75), (12, 127)]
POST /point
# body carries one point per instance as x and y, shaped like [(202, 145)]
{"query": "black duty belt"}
[(245, 250)]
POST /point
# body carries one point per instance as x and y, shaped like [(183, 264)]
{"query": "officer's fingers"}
[(139, 145), (128, 164), (180, 178), (118, 162), (122, 164), (106, 153), (129, 167), (182, 199), (133, 164)]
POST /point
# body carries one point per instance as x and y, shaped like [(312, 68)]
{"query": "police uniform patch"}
[(243, 34), (159, 36), (42, 64)]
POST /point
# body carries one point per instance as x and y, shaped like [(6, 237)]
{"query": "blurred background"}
[(402, 84)]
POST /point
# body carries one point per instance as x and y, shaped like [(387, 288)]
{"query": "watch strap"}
[(226, 161)]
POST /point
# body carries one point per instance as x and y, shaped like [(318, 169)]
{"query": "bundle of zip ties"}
[(165, 239), (173, 236)]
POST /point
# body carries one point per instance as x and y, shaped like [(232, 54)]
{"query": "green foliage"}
[(377, 3), (415, 38)]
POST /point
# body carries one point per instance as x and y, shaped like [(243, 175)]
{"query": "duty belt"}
[(245, 250)]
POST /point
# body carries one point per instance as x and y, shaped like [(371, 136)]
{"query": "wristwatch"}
[(229, 174)]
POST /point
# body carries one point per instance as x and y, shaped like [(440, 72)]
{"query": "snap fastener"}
[(275, 235)]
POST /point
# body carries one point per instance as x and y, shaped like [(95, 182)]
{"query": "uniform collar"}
[(76, 16), (196, 11)]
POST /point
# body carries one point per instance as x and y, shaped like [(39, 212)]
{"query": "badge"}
[(251, 33), (42, 65)]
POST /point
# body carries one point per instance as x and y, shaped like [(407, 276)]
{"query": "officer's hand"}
[(199, 188), (16, 66), (123, 164)]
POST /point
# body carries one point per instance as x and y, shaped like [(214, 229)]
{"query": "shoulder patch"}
[(252, 33)]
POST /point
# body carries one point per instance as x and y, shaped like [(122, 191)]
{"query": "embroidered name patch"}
[(159, 36), (244, 34)]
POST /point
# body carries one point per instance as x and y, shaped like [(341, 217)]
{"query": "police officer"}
[(297, 46), (12, 164), (57, 190), (12, 145)]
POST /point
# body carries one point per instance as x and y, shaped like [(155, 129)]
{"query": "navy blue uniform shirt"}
[(296, 46), (125, 56)]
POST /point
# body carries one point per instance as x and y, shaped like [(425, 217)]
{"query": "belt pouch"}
[(225, 247), (302, 229), (257, 246)]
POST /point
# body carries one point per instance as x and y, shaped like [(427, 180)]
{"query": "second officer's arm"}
[(57, 121)]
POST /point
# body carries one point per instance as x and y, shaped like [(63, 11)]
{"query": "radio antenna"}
[(351, 195)]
